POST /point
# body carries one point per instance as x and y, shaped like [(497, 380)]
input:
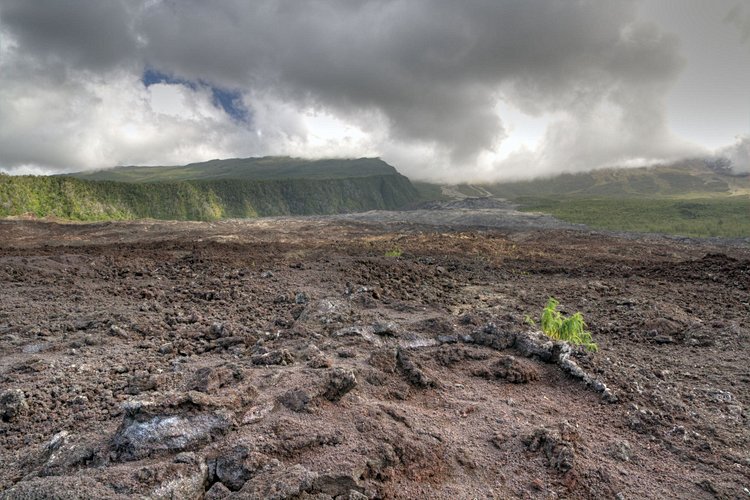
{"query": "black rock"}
[(447, 339), (340, 382), (12, 404), (296, 400), (414, 375)]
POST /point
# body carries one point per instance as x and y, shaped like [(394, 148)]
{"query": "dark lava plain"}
[(373, 356)]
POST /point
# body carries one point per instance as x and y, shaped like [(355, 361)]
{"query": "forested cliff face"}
[(201, 199)]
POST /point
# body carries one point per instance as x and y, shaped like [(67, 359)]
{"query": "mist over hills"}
[(688, 178)]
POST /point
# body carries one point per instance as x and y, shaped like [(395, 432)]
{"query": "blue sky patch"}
[(152, 76), (228, 100), (231, 102)]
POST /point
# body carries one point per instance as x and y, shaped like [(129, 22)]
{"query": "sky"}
[(478, 90)]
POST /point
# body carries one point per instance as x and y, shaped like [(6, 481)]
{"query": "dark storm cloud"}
[(433, 70), (82, 33)]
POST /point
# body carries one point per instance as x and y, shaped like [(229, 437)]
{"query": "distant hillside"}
[(239, 188), (689, 178), (690, 198), (266, 168)]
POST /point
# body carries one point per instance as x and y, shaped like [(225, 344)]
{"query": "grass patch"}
[(568, 328), (429, 192), (726, 216), (394, 252)]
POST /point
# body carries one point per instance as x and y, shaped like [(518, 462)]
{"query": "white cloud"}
[(738, 155)]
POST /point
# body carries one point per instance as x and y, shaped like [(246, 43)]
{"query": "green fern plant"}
[(570, 329)]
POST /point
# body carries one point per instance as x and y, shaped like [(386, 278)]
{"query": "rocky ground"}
[(370, 356)]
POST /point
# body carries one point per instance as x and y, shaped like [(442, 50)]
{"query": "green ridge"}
[(174, 194), (266, 168)]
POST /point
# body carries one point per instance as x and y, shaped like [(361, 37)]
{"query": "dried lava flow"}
[(291, 358)]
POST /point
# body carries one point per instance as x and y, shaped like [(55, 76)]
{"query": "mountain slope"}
[(266, 168), (690, 198), (688, 178), (240, 188)]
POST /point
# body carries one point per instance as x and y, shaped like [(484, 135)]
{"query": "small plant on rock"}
[(394, 252), (570, 329)]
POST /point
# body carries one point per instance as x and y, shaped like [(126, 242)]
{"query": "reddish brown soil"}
[(293, 359)]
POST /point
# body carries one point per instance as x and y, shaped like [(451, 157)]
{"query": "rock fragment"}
[(279, 483), (316, 358), (338, 486), (216, 330), (327, 311), (492, 336), (234, 467), (231, 472), (385, 328), (12, 404), (514, 370), (147, 431), (413, 373), (622, 451), (211, 379), (279, 357), (63, 454), (296, 400), (167, 348), (217, 492), (535, 345), (189, 484), (340, 382), (558, 445), (59, 487), (568, 365)]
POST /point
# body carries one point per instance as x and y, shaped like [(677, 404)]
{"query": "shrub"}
[(570, 329)]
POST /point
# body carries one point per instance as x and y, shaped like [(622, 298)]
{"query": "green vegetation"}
[(74, 198), (690, 198), (727, 217), (429, 192), (266, 168), (394, 252), (559, 327)]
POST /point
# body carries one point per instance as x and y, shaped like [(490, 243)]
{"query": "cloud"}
[(416, 81), (738, 155), (740, 19), (80, 33)]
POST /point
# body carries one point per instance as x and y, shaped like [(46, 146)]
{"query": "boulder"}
[(150, 429), (12, 405), (340, 382)]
